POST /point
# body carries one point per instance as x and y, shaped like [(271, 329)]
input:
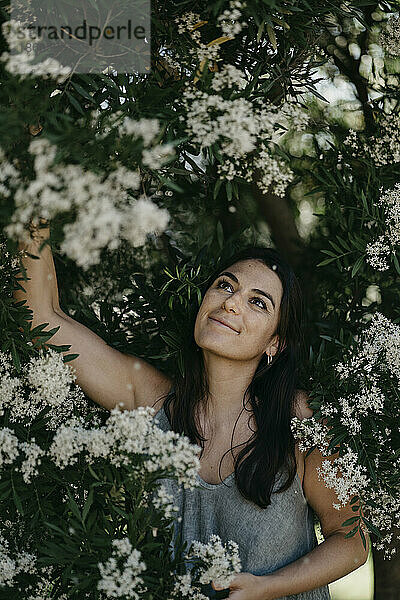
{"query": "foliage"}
[(143, 196)]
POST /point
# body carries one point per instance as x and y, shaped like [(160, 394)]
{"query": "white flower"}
[(10, 566), (126, 434), (222, 561), (147, 129), (106, 213), (21, 62), (8, 446), (165, 501), (122, 582), (389, 37), (353, 479), (228, 77), (309, 432)]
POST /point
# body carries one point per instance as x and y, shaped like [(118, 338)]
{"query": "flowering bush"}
[(98, 490), (137, 172)]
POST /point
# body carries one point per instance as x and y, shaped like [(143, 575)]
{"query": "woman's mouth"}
[(226, 325)]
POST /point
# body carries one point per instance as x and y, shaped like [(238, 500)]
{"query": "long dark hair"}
[(271, 391)]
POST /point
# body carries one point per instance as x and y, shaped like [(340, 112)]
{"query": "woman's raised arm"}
[(106, 375)]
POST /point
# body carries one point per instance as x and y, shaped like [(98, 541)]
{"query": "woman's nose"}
[(232, 303)]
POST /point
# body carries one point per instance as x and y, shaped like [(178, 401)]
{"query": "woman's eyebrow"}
[(235, 279)]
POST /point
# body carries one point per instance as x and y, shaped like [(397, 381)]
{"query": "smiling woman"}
[(236, 400)]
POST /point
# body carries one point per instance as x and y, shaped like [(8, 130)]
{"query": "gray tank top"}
[(268, 538)]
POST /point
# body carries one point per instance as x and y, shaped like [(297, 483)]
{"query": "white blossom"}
[(184, 586), (44, 382), (229, 19), (352, 480), (378, 251), (120, 574), (8, 446), (33, 454), (106, 213), (22, 62), (378, 351), (13, 564), (126, 434), (247, 134), (165, 501), (310, 432), (227, 78), (383, 148), (222, 561), (389, 37), (147, 129)]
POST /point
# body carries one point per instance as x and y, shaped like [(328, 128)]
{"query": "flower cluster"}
[(378, 252), (164, 501), (228, 22), (245, 131), (120, 574), (228, 78), (9, 175), (22, 62), (373, 360), (189, 22), (378, 351), (389, 37), (222, 561), (382, 148), (128, 433), (45, 382), (229, 19), (345, 475), (106, 212), (12, 448), (13, 564), (310, 432)]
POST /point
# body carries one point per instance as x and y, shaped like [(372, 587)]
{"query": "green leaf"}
[(350, 521), (396, 263), (364, 541), (220, 234), (357, 265), (372, 527), (17, 501), (228, 188), (70, 357), (352, 532), (74, 507), (82, 91), (272, 37), (88, 504), (75, 103), (326, 262), (217, 187)]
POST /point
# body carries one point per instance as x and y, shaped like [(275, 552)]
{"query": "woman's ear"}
[(273, 346)]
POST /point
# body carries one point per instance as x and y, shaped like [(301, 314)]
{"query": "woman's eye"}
[(223, 283), (263, 305)]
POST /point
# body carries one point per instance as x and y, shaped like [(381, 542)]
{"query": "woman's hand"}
[(245, 586)]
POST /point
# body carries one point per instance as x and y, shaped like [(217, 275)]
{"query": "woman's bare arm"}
[(106, 375)]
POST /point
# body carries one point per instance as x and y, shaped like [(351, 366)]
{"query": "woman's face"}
[(246, 297)]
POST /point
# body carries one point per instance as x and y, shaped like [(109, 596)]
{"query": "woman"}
[(238, 396)]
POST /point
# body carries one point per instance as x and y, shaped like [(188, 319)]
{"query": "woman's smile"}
[(223, 324)]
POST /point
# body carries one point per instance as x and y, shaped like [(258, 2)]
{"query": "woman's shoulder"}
[(301, 409)]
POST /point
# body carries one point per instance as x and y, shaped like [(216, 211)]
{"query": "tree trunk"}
[(280, 219)]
